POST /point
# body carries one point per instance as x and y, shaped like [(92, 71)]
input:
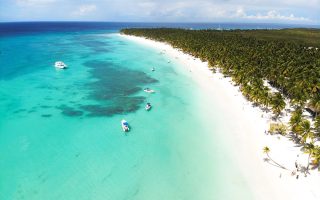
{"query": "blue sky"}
[(266, 11)]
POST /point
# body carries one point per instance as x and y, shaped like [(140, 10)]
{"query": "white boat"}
[(148, 90), (125, 125), (148, 106), (153, 69), (60, 65)]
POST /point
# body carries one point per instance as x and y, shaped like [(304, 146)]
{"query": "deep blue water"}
[(40, 27)]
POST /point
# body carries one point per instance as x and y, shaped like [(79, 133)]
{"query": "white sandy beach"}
[(247, 135)]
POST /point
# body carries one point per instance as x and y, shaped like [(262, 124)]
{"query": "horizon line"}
[(159, 22)]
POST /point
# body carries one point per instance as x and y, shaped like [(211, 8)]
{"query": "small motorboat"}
[(153, 69), (148, 90), (148, 106), (125, 125), (60, 65)]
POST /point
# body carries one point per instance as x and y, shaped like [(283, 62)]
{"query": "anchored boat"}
[(60, 65), (125, 125), (148, 106), (148, 90)]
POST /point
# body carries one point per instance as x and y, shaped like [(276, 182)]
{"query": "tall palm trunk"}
[(276, 162), (308, 161)]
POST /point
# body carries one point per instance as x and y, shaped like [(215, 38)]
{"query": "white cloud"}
[(84, 10), (34, 2), (291, 11), (217, 10), (270, 15)]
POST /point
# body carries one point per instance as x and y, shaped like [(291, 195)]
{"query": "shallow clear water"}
[(60, 133)]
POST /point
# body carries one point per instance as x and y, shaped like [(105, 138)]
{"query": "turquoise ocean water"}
[(60, 133)]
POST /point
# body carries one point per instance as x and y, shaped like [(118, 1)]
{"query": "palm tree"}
[(309, 148), (316, 156), (267, 150), (278, 104), (295, 120), (317, 125), (315, 103), (304, 130)]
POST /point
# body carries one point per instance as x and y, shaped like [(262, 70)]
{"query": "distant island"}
[(277, 70)]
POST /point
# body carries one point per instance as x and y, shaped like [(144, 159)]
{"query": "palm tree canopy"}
[(266, 150)]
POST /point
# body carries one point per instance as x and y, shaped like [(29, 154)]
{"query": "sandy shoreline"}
[(247, 135)]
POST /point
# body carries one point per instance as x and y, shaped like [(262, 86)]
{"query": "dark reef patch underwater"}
[(115, 90)]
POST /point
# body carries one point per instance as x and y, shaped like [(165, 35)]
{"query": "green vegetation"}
[(260, 61), (278, 128), (310, 37)]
